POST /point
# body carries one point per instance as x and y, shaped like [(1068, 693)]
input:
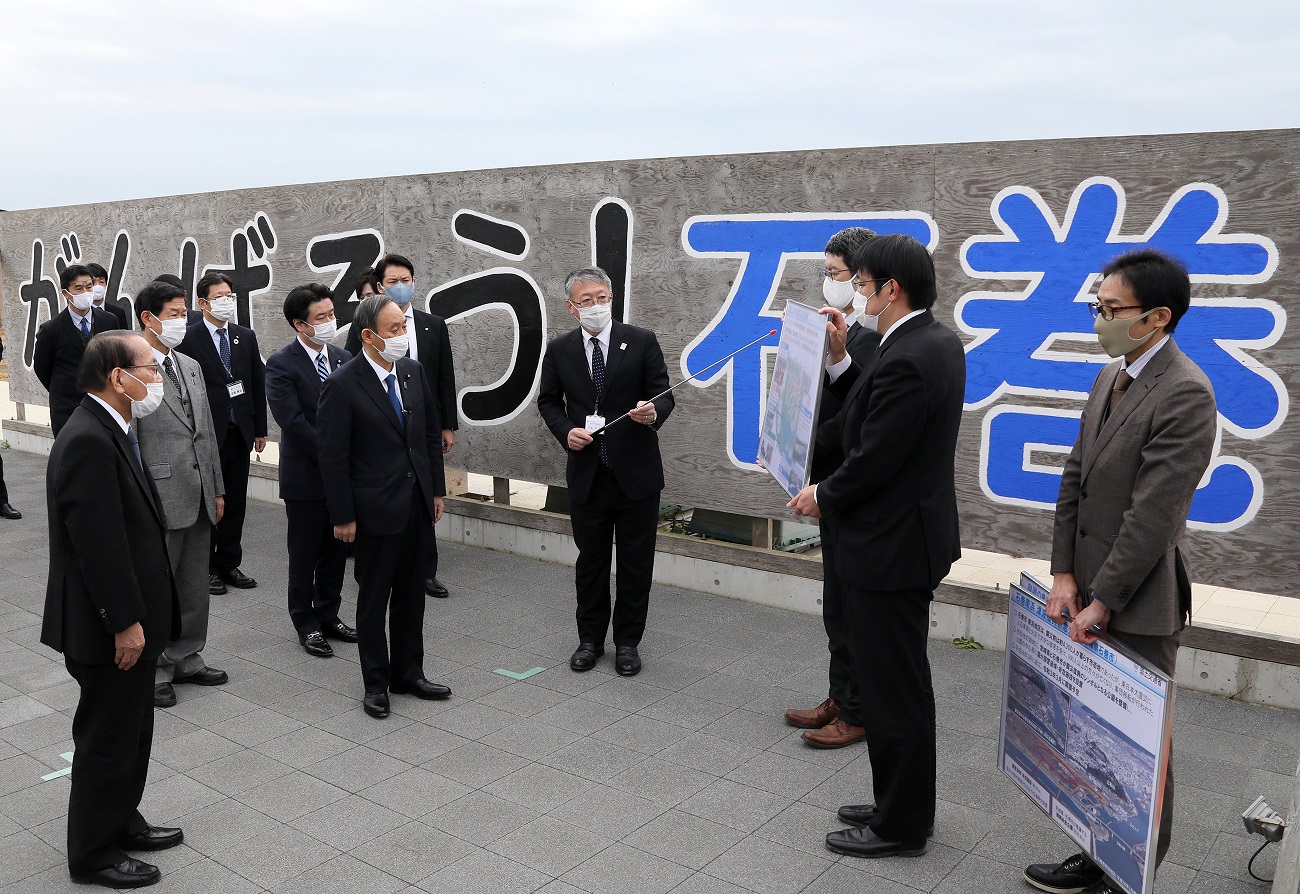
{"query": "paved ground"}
[(683, 779)]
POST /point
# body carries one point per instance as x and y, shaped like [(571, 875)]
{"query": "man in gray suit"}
[(1146, 437), (179, 451)]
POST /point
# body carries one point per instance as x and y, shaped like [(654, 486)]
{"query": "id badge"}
[(235, 388), (595, 424)]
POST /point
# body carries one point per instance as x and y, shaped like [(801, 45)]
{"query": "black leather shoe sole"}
[(130, 873), (424, 689), (207, 677), (153, 840), (164, 696), (879, 848), (861, 815)]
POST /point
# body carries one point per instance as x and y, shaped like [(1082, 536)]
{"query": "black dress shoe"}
[(153, 838), (9, 512), (315, 644), (585, 657), (209, 676), (866, 843), (1076, 873), (421, 689), (237, 578), (376, 704), (862, 814), (434, 588), (215, 585), (339, 631), (130, 873), (164, 696), (627, 662)]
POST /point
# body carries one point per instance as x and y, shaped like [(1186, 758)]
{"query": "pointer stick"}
[(684, 381)]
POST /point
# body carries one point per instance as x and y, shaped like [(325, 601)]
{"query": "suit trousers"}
[(112, 734), (889, 631), (4, 490), (390, 581), (843, 687), (609, 513), (188, 549), (317, 561), (228, 534)]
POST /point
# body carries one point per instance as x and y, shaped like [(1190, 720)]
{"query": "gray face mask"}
[(1113, 335)]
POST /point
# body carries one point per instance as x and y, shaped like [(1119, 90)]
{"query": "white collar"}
[(1140, 364), (212, 330), (899, 322), (312, 352), (379, 370), (602, 336), (126, 426)]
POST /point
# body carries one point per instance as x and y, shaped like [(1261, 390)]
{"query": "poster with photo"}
[(785, 440)]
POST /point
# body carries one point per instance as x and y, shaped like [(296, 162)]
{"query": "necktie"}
[(320, 367), (171, 374), (85, 330), (1122, 381), (223, 349), (135, 445), (598, 377), (391, 382)]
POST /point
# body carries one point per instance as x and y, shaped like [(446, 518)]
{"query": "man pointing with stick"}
[(604, 369)]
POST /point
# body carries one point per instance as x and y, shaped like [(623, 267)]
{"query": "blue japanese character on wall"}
[(763, 243), (1039, 341)]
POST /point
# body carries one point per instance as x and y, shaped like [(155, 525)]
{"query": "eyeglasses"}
[(1107, 311), (827, 274), (157, 370), (588, 302), (860, 284)]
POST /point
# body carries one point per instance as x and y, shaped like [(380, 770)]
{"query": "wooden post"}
[(761, 532), (457, 482), (20, 412), (501, 491)]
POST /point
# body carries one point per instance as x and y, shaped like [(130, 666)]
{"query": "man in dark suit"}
[(6, 511), (895, 536), (592, 375), (99, 288), (430, 345), (236, 384), (110, 608), (61, 341), (836, 722), (381, 458), (1145, 439), (295, 376), (191, 316)]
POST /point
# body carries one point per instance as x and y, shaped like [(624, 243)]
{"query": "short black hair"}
[(392, 260), (1157, 280), (154, 296), (96, 271), (297, 305), (105, 352), (171, 279), (846, 242), (208, 281), (902, 259), (367, 276), (72, 272)]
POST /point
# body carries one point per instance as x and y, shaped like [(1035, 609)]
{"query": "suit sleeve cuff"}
[(835, 370)]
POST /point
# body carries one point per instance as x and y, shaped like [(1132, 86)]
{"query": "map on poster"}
[(1085, 734), (789, 422)]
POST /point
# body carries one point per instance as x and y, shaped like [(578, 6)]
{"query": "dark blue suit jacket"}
[(57, 356), (293, 388), (245, 366)]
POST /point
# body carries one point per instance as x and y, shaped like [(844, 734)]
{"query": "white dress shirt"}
[(383, 377), (412, 343), (1140, 364)]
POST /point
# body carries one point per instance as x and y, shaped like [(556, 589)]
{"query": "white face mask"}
[(152, 400), (83, 302), (173, 332), (223, 308), (99, 293), (838, 295), (596, 317), (395, 348), (323, 332)]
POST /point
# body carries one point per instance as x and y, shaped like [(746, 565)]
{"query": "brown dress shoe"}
[(835, 734), (816, 718)]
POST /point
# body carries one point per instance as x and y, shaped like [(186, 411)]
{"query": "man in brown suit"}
[(1145, 440)]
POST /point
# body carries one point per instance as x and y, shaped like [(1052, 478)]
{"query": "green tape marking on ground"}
[(66, 771), (514, 676)]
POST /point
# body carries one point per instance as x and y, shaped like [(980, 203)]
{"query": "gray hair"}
[(366, 316), (586, 274)]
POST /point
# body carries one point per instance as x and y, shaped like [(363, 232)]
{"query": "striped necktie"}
[(320, 367)]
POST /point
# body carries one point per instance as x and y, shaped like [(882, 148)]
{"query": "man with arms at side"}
[(61, 341), (235, 377), (99, 289), (179, 451), (1145, 439), (836, 721), (894, 500), (431, 346), (592, 375), (381, 459), (295, 376), (110, 607)]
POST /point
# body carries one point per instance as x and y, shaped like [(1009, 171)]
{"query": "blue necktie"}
[(598, 377), (320, 367), (85, 330), (391, 382), (224, 350), (135, 445)]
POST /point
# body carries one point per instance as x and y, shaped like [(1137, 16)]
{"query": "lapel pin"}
[(623, 346), (235, 339)]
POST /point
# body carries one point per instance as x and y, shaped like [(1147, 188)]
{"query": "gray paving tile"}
[(271, 859), (844, 879), (223, 825), (732, 804), (414, 792), (343, 874), (530, 738), (26, 855), (750, 728), (976, 873), (175, 796), (640, 733), (413, 852), (416, 743), (620, 869), (708, 754), (923, 873), (209, 706), (356, 769), (32, 734), (257, 726), (1173, 879), (780, 775), (239, 772), (359, 727), (593, 759), (540, 787), (480, 817), (608, 811), (522, 698), (661, 782), (476, 764), (349, 824), (549, 845), (37, 804), (802, 827), (472, 720), (625, 693), (684, 839), (580, 715), (194, 750), (768, 868), (291, 796), (207, 876), (483, 871), (304, 747)]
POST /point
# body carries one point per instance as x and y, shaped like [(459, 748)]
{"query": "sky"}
[(111, 100)]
